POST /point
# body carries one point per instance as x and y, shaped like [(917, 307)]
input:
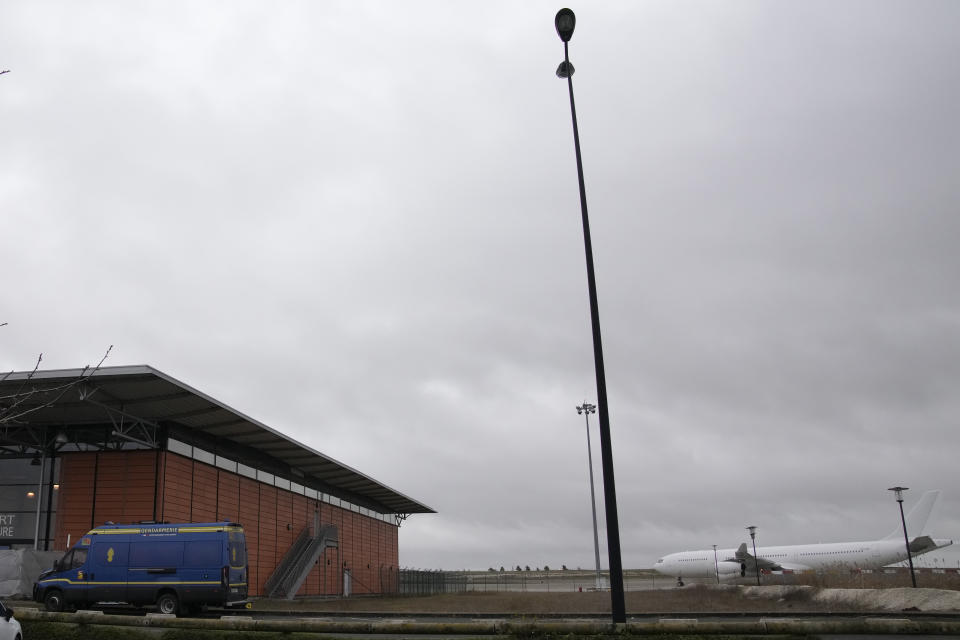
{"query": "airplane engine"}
[(729, 570)]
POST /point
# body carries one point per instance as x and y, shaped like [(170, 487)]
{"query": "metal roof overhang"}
[(75, 399)]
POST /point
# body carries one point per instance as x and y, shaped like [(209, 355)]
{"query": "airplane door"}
[(108, 567)]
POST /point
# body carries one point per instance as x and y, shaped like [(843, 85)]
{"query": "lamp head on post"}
[(587, 408), (565, 22), (753, 531), (898, 491)]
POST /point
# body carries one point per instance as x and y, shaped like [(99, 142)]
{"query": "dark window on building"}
[(23, 490)]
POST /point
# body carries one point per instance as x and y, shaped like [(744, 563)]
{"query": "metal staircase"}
[(299, 560)]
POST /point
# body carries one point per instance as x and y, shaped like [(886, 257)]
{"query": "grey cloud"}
[(359, 224)]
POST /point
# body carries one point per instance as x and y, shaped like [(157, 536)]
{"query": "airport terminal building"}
[(79, 448)]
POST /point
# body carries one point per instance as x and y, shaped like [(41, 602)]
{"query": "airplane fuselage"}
[(871, 554)]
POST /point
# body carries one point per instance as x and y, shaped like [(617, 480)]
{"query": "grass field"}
[(696, 598), (704, 598)]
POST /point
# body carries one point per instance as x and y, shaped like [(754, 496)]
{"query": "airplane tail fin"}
[(918, 516), (742, 553)]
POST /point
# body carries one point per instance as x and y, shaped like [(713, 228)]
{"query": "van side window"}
[(238, 555), (202, 554), (238, 550), (79, 558), (155, 554)]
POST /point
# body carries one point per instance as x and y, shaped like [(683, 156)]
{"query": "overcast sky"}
[(358, 222)]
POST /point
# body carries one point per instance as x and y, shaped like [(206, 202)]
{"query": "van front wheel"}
[(53, 601), (167, 603)]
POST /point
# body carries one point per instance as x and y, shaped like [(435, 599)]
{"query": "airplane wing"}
[(744, 556)]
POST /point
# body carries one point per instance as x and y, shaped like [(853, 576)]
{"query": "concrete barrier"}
[(525, 629)]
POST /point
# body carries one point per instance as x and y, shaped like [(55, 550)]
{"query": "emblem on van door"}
[(110, 554)]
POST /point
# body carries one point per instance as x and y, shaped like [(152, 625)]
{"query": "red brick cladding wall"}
[(124, 490), (192, 491)]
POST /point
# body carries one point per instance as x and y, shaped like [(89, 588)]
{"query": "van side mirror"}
[(9, 614), (56, 565)]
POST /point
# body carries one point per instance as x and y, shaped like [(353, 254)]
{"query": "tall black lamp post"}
[(565, 22), (756, 561), (898, 491)]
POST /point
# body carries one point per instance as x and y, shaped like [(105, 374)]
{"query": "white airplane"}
[(730, 564)]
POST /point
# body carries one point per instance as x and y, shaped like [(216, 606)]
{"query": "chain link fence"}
[(417, 582), (420, 582)]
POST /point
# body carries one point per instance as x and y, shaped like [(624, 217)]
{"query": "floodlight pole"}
[(586, 409), (898, 491), (565, 22)]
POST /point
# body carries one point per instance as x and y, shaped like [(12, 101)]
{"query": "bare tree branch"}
[(19, 395), (10, 413)]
